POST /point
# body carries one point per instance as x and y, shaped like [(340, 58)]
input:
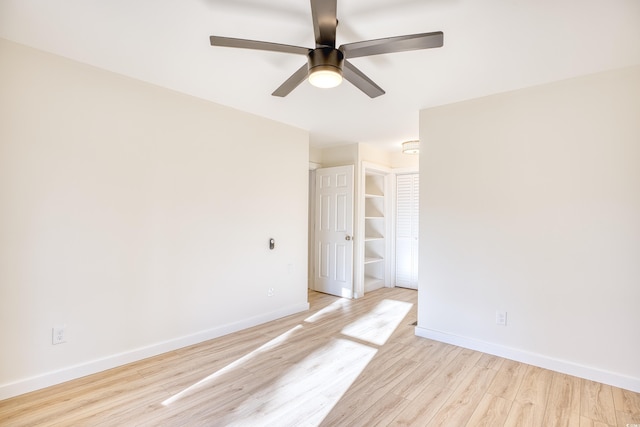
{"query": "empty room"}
[(320, 213)]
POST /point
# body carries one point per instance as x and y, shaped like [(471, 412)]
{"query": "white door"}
[(334, 231), (407, 213)]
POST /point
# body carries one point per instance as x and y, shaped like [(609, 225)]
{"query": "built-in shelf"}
[(373, 282), (375, 230)]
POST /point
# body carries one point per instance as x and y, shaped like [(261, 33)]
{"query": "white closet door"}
[(407, 206)]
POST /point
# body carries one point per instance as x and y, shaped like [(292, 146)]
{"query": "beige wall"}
[(315, 155), (138, 217), (371, 154), (352, 153), (340, 155), (530, 203), (404, 161)]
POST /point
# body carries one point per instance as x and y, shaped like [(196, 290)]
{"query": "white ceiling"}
[(490, 46)]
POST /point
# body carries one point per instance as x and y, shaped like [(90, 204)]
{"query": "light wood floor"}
[(343, 363)]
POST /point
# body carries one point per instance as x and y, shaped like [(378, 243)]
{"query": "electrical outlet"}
[(270, 292), (501, 318), (59, 334)]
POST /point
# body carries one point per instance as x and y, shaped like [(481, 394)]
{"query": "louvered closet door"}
[(407, 205)]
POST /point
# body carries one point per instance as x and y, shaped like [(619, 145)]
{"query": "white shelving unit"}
[(375, 231)]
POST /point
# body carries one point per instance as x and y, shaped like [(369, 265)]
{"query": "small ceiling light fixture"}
[(325, 67), (411, 147)]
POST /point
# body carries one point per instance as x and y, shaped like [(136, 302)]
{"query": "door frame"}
[(311, 233)]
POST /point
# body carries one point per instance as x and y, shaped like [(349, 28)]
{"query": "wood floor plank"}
[(627, 405), (524, 415), (429, 368), (421, 410), (535, 386), (491, 411), (627, 419), (338, 364), (563, 404), (508, 379), (588, 422), (597, 402), (530, 402), (462, 403), (367, 391), (72, 399), (382, 413), (454, 373), (490, 361)]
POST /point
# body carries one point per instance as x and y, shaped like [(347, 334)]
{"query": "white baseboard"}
[(540, 360), (83, 369)]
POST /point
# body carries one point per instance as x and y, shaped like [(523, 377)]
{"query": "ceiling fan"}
[(327, 65)]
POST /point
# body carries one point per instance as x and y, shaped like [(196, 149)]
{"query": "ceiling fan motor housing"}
[(326, 58)]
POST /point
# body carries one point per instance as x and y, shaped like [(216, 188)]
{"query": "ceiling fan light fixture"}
[(325, 67), (411, 147), (325, 77)]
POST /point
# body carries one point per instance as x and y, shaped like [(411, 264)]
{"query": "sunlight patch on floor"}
[(236, 364), (377, 326), (306, 393), (328, 310), (307, 384)]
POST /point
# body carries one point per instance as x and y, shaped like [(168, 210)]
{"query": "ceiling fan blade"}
[(257, 45), (359, 80), (393, 44), (323, 13), (292, 82)]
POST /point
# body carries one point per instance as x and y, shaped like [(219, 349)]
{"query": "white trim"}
[(402, 171), (83, 369), (313, 166), (311, 232), (540, 360), (391, 206)]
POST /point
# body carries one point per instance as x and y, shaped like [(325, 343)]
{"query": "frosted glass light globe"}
[(325, 78)]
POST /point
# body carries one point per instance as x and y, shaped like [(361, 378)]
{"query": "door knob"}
[(347, 237)]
